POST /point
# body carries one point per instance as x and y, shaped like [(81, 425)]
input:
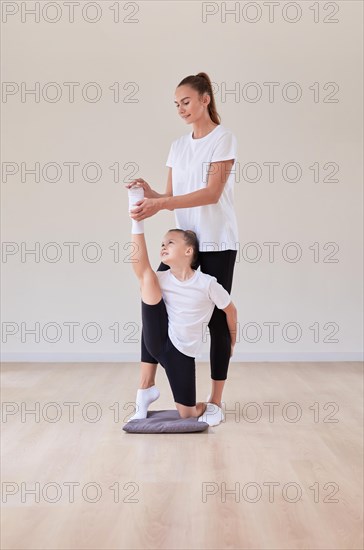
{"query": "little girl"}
[(175, 306)]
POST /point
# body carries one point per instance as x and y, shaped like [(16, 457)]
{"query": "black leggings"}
[(180, 368), (219, 265)]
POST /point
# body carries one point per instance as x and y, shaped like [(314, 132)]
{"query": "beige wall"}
[(167, 41)]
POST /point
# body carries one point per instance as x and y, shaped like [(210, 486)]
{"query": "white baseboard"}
[(239, 357)]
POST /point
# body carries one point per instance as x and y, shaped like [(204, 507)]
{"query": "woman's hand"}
[(145, 209), (148, 191)]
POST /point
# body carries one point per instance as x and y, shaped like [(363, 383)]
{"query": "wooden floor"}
[(210, 490)]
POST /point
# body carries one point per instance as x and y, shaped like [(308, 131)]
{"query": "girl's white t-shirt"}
[(189, 305), (214, 224)]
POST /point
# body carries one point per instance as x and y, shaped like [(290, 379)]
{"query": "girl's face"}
[(174, 248), (189, 105)]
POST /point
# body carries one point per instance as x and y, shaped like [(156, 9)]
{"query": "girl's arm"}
[(208, 195)]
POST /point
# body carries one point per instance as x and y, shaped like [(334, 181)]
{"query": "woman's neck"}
[(202, 128)]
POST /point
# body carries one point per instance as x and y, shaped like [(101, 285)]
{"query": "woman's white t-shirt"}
[(214, 224), (189, 305)]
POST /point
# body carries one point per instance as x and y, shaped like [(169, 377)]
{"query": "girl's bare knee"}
[(186, 412)]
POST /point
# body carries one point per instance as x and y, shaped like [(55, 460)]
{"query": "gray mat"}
[(158, 422)]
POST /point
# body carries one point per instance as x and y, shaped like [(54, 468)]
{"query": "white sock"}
[(136, 194), (212, 415), (221, 405), (143, 399)]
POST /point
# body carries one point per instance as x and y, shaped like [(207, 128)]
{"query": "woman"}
[(175, 305), (200, 191)]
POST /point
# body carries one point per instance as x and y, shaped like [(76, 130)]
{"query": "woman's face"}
[(174, 248), (189, 105)]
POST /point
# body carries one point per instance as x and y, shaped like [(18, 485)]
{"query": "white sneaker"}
[(221, 408), (213, 415)]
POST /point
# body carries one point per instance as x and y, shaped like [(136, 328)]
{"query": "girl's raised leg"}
[(150, 294)]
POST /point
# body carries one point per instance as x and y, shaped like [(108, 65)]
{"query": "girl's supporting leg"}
[(187, 412), (148, 391), (180, 369), (144, 398), (147, 375), (181, 372)]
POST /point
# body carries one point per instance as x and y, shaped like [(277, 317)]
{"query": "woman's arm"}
[(169, 191), (149, 193), (208, 195)]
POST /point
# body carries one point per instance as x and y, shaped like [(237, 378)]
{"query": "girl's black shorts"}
[(158, 348)]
